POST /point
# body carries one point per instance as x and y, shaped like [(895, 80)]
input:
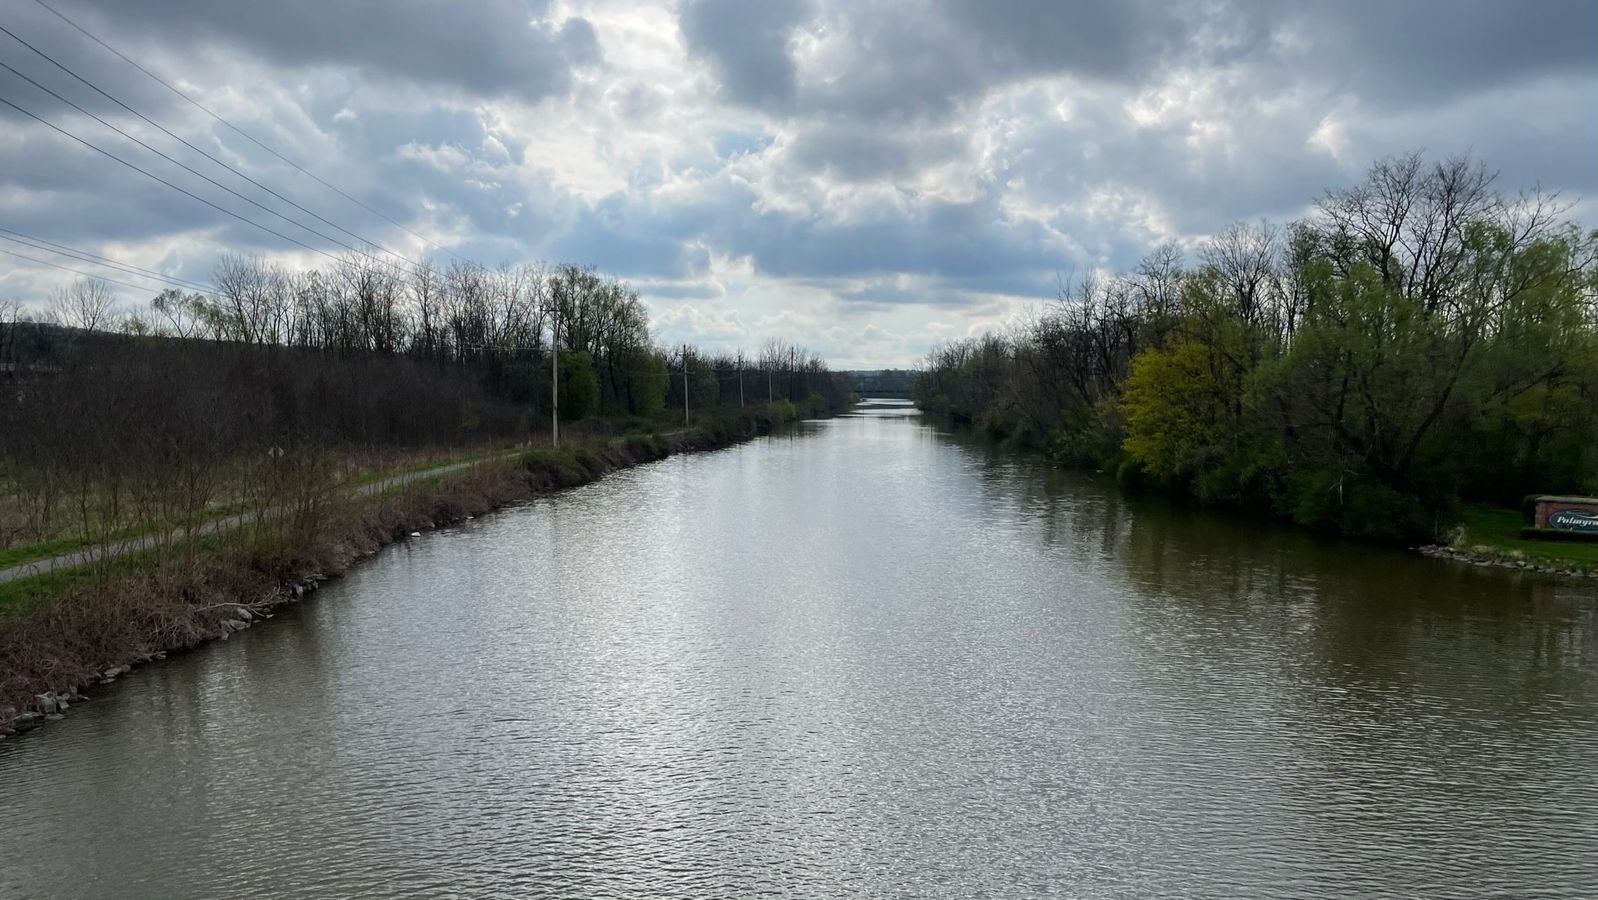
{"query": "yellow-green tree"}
[(1177, 409)]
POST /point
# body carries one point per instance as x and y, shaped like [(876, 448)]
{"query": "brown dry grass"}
[(68, 639)]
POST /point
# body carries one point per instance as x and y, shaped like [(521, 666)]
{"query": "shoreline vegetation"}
[(1404, 365), (64, 632), (192, 464)]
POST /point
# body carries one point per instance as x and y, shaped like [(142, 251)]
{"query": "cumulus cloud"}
[(747, 43), (866, 177)]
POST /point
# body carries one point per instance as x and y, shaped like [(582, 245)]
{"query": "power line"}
[(18, 237), (52, 265), (92, 86), (189, 169), (236, 130), (222, 209)]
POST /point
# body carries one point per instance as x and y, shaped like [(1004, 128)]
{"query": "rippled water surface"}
[(862, 659)]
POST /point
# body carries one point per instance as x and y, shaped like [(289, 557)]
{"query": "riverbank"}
[(1483, 536), (63, 632), (1490, 536)]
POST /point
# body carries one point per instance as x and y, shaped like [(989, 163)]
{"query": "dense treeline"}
[(886, 383), (1422, 339), (498, 323), (252, 394)]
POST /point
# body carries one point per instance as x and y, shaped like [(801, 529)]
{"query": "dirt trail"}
[(114, 549)]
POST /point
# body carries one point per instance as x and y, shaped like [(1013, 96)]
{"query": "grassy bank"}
[(350, 468), (1493, 534), (67, 629)]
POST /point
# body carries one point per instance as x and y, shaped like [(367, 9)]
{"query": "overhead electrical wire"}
[(148, 174), (164, 130), (27, 240), (239, 131), (190, 169), (52, 265)]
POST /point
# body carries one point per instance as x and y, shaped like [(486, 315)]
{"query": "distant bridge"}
[(887, 383)]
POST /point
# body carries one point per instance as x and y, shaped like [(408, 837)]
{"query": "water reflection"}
[(858, 658)]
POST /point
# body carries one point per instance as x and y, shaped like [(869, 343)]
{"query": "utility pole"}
[(740, 381), (554, 376), (685, 385), (769, 395)]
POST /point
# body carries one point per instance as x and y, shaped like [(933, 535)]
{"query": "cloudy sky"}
[(866, 177)]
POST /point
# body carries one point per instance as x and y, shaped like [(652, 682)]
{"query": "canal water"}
[(861, 659)]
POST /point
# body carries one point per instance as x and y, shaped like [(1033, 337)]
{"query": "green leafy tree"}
[(646, 382), (1421, 340), (579, 386), (1182, 410)]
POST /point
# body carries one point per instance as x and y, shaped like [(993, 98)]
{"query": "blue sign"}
[(1573, 520)]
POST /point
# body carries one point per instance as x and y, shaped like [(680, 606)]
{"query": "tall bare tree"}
[(86, 303)]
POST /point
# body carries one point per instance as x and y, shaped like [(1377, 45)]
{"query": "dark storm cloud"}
[(631, 241), (922, 57), (969, 244), (62, 191), (1417, 51), (33, 26), (861, 151), (957, 291), (489, 47), (747, 44), (1109, 40), (945, 240)]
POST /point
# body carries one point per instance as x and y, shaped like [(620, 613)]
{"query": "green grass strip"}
[(1497, 531)]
